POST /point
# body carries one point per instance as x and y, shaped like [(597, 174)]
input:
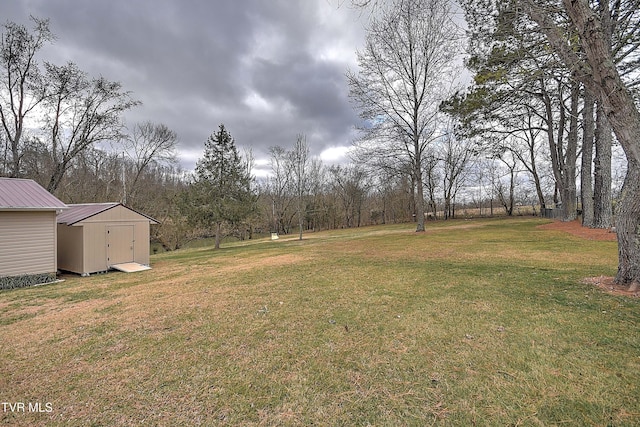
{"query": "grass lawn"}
[(483, 322)]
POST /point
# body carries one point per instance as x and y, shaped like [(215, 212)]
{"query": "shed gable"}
[(90, 213), (115, 214)]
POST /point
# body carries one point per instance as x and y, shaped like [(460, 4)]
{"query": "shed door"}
[(119, 244)]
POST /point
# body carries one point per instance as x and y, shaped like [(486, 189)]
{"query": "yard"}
[(480, 322)]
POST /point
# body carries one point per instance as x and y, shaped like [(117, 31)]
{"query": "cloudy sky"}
[(267, 69)]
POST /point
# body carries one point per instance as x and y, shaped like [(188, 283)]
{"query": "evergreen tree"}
[(221, 193)]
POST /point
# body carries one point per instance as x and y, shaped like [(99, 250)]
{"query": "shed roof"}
[(26, 194), (80, 212)]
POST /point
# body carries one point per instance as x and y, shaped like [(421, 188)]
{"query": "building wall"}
[(70, 249), (27, 242)]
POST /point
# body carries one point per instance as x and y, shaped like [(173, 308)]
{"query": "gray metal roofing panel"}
[(17, 194), (79, 212)]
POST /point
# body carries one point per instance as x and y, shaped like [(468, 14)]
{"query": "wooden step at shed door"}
[(120, 242)]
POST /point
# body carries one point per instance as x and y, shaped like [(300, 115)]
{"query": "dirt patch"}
[(575, 228), (607, 284)]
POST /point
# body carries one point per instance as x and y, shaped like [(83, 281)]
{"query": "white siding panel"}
[(27, 243)]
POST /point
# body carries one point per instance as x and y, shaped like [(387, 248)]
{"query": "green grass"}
[(482, 322)]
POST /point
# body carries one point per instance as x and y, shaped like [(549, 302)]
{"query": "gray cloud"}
[(267, 69)]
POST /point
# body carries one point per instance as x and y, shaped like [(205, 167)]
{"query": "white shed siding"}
[(27, 242)]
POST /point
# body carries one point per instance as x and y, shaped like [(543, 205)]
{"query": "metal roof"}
[(80, 212), (26, 194)]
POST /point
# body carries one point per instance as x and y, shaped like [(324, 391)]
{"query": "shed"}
[(27, 233), (97, 237)]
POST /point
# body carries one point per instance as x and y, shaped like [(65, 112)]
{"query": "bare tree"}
[(316, 202), (148, 144), (22, 86), (277, 187), (431, 177), (506, 193), (298, 161), (409, 53), (455, 155), (527, 147), (350, 185), (80, 112), (487, 176)]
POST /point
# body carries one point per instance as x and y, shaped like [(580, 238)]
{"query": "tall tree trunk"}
[(602, 165), (556, 159), (447, 206), (536, 177), (512, 187), (628, 229), (56, 177), (419, 191), (300, 217), (603, 212), (569, 193), (563, 161), (586, 185), (16, 144), (218, 235)]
